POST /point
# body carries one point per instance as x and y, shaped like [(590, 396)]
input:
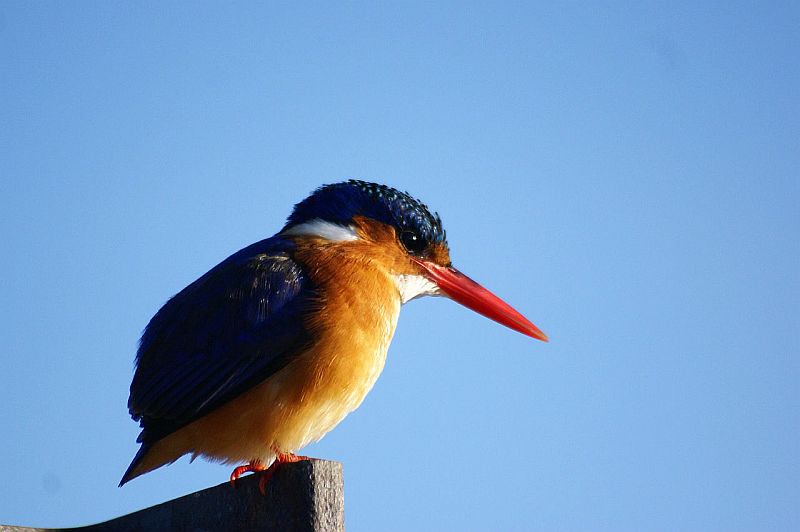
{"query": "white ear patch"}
[(413, 286), (323, 229)]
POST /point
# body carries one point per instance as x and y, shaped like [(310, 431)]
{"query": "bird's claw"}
[(257, 466)]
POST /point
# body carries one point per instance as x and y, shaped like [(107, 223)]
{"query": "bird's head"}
[(402, 235)]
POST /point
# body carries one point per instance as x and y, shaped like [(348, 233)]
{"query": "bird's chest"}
[(354, 338), (353, 333)]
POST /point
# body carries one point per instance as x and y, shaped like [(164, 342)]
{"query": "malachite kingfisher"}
[(274, 346)]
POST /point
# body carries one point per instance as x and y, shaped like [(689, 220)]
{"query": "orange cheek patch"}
[(441, 255)]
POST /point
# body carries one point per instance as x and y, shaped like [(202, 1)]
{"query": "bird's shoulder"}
[(229, 330)]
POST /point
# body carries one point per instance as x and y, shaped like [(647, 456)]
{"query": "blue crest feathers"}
[(340, 202)]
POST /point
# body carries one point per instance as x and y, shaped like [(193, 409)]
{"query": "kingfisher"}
[(273, 347)]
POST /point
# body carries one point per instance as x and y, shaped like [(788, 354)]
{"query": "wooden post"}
[(302, 496)]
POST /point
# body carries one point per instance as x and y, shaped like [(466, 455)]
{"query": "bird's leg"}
[(286, 458), (280, 458), (257, 466), (254, 465)]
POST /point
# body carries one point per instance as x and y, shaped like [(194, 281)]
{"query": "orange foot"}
[(254, 465), (266, 472)]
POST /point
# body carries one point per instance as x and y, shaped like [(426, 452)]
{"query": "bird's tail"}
[(135, 469)]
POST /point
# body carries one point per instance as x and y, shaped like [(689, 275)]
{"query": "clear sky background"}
[(626, 175)]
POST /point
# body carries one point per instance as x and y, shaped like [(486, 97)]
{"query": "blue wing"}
[(220, 336)]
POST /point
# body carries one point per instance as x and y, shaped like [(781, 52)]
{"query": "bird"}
[(272, 348)]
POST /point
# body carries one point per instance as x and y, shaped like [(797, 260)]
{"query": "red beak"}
[(464, 290)]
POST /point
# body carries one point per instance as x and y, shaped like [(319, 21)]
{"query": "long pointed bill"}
[(464, 290)]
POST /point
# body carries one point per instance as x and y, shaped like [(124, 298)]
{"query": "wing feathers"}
[(223, 334)]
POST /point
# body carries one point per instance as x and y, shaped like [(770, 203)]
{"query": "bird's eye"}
[(413, 242)]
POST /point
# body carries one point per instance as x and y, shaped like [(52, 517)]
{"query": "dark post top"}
[(301, 496)]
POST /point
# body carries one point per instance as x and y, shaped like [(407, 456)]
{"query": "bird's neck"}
[(356, 292)]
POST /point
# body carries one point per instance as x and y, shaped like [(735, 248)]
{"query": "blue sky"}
[(626, 175)]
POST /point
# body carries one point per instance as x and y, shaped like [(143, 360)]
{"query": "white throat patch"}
[(323, 229), (413, 286)]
